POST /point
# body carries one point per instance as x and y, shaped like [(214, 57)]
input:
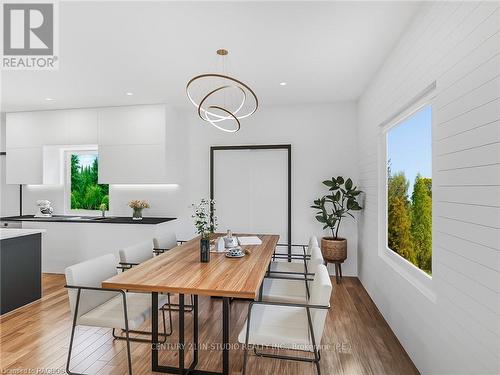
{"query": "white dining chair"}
[(286, 289), (136, 254), (131, 256), (297, 251), (301, 268), (292, 326), (165, 242), (92, 305)]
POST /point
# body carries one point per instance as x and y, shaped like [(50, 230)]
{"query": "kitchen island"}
[(20, 267), (72, 239)]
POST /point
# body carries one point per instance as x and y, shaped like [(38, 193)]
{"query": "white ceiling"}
[(326, 51)]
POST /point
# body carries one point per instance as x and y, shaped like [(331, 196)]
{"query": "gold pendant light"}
[(221, 100)]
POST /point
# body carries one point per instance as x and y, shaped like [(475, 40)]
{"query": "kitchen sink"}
[(67, 218), (52, 218), (87, 218)]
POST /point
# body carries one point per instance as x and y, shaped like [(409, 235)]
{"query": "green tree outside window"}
[(409, 222), (86, 193)]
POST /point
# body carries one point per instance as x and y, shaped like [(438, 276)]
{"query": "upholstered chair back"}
[(90, 274), (320, 291), (137, 253), (166, 242)]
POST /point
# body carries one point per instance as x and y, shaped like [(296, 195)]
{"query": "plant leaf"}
[(348, 184), (320, 218)]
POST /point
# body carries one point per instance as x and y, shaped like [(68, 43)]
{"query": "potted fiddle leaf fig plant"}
[(333, 208)]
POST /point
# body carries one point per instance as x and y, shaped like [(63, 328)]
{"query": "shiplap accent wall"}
[(458, 45)]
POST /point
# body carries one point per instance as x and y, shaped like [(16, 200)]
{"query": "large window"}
[(409, 188), (85, 192)]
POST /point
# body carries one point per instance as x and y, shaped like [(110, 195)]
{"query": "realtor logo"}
[(29, 32)]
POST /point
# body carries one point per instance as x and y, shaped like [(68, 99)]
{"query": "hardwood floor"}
[(357, 340)]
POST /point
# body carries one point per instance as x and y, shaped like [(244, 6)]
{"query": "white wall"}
[(458, 45), (323, 139)]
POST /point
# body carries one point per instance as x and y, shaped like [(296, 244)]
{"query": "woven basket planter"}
[(334, 250)]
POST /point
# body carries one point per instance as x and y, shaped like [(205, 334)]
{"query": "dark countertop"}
[(89, 219)]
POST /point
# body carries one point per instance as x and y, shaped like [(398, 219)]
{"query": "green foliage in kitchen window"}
[(86, 193)]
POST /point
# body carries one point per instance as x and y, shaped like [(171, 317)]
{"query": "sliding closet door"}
[(251, 191)]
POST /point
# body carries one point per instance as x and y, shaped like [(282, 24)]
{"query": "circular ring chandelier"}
[(226, 99)]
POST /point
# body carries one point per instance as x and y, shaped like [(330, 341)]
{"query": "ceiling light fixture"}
[(49, 99), (129, 93), (283, 83), (220, 97)]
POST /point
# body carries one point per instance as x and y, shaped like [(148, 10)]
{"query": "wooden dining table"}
[(180, 271)]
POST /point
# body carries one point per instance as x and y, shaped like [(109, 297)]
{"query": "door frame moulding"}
[(288, 148)]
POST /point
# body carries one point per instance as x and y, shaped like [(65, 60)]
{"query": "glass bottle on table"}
[(228, 240)]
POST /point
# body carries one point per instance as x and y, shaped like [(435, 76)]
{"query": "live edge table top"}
[(180, 271)]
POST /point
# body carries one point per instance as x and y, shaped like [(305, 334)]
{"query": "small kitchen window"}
[(83, 193)]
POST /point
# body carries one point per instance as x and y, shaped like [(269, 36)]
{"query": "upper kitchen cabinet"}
[(132, 164), (24, 166), (132, 142), (35, 129), (44, 128), (28, 132), (134, 125), (83, 126)]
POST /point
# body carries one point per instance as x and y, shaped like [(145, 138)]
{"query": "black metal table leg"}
[(225, 336), (181, 334), (195, 330), (155, 366), (154, 331)]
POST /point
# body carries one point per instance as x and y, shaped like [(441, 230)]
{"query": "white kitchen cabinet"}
[(26, 134), (83, 126), (132, 145), (34, 129), (24, 165), (42, 128), (132, 164), (134, 125)]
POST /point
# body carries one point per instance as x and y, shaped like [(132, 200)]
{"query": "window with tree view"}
[(409, 189), (86, 193)]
